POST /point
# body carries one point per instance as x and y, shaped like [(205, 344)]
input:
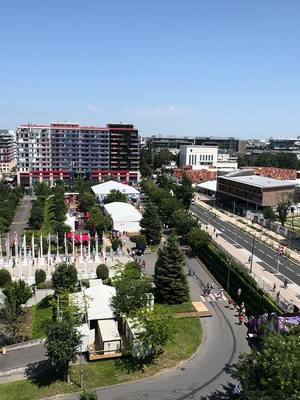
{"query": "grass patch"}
[(179, 308), (186, 341), (42, 312)]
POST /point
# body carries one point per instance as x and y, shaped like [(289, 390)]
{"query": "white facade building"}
[(206, 157), (199, 157)]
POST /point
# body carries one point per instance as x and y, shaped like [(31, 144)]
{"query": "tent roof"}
[(122, 211), (106, 187), (97, 300)]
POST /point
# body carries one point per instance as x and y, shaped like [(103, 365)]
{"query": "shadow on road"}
[(225, 394)]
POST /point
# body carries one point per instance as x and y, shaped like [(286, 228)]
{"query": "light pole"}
[(252, 251), (228, 274)]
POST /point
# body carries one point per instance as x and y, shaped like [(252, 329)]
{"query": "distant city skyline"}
[(197, 69)]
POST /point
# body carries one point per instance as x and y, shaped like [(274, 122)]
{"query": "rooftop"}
[(106, 187), (122, 211), (260, 181)]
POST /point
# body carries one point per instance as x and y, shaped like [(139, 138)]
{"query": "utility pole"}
[(252, 251), (228, 274)]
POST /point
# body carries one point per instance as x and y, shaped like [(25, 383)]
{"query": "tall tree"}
[(283, 209), (151, 225), (269, 215), (170, 281), (154, 329), (183, 221), (198, 239), (273, 372), (133, 291), (185, 191), (115, 195), (145, 162), (162, 158), (63, 338), (12, 314), (99, 222), (64, 277)]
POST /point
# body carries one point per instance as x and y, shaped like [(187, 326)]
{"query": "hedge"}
[(256, 300)]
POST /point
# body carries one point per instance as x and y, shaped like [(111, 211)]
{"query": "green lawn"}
[(42, 312), (186, 341)]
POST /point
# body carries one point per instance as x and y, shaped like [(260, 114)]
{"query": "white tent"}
[(125, 217), (103, 189)]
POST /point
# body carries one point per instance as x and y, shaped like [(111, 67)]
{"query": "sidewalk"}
[(265, 279), (264, 235)]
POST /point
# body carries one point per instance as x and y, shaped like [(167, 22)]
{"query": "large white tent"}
[(103, 189), (125, 217)]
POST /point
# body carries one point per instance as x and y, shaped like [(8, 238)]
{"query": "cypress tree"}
[(151, 225), (170, 281)]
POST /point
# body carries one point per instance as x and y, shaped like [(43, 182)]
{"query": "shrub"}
[(40, 276), (102, 272), (116, 244), (88, 395), (5, 277)]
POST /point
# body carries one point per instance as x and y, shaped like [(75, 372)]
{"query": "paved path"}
[(20, 221), (22, 357)]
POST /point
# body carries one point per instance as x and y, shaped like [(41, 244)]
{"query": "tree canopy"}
[(151, 225), (183, 221), (170, 281), (198, 239), (283, 209), (64, 277), (133, 290), (272, 372), (63, 337), (185, 191), (115, 195), (99, 222), (154, 329)]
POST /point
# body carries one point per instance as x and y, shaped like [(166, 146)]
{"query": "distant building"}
[(7, 152), (229, 145), (67, 151), (240, 193), (196, 176), (206, 157)]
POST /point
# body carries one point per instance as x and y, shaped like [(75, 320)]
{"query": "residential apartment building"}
[(68, 150), (124, 147), (7, 152)]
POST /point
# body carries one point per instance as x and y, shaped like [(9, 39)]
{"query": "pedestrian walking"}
[(278, 295), (239, 292), (241, 319), (236, 391), (217, 235), (211, 286), (274, 287), (285, 283)]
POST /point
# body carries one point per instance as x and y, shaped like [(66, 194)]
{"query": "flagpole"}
[(57, 246)]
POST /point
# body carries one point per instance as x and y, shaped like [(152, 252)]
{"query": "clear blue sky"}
[(194, 67)]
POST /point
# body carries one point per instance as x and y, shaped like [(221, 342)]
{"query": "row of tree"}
[(10, 198)]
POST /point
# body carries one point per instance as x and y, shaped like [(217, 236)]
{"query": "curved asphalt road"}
[(269, 258), (208, 371)]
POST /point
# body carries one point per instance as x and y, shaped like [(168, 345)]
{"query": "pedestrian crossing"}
[(212, 297)]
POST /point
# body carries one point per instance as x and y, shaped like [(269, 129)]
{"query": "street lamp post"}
[(252, 251), (228, 274)]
